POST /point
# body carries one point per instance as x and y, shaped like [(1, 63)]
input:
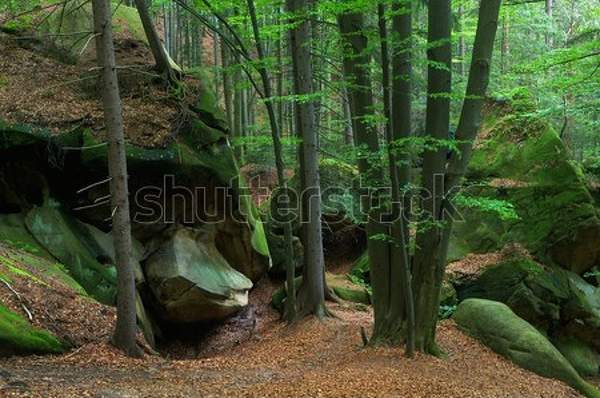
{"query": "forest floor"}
[(256, 355)]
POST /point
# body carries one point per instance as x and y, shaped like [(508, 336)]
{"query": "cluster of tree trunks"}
[(406, 288)]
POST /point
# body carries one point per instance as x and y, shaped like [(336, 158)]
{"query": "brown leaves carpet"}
[(310, 359)]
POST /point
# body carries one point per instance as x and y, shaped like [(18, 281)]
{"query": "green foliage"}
[(501, 208)]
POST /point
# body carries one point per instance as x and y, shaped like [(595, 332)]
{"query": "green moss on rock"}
[(558, 222), (496, 326), (583, 357), (17, 336)]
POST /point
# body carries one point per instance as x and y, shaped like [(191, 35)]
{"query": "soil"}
[(63, 97), (254, 354)]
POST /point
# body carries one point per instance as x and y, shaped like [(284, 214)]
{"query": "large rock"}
[(66, 239), (495, 325), (553, 299), (521, 160), (583, 358), (191, 280)]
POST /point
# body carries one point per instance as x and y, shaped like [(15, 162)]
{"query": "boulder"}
[(341, 285), (583, 357), (66, 239), (521, 160), (191, 281), (553, 299), (496, 326)]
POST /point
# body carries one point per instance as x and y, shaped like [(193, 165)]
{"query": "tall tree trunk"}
[(227, 86), (549, 11), (290, 304), (470, 117), (125, 331), (461, 40), (505, 48), (311, 297), (348, 133), (158, 51), (358, 81), (427, 258), (400, 165)]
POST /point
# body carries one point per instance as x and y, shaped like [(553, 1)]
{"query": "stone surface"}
[(190, 279), (495, 325)]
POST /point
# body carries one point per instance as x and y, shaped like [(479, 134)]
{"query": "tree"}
[(161, 57), (427, 263), (290, 307), (125, 331), (311, 297)]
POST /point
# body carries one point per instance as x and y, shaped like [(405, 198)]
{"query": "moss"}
[(495, 325), (17, 336), (60, 234), (583, 357), (558, 219), (340, 284)]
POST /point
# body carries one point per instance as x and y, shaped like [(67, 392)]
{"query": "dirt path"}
[(310, 359)]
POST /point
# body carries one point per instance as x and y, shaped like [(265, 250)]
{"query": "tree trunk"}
[(549, 11), (227, 86), (125, 331), (290, 303), (505, 48), (158, 51), (311, 297), (461, 40), (427, 258), (401, 115)]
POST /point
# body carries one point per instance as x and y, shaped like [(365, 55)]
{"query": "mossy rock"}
[(18, 337), (558, 221), (341, 285), (191, 281), (347, 290), (67, 240), (583, 357), (496, 326), (553, 299)]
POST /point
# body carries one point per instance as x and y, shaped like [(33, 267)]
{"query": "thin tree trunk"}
[(400, 166), (227, 86), (290, 304), (125, 331), (158, 51), (311, 297), (505, 48), (549, 11), (461, 40)]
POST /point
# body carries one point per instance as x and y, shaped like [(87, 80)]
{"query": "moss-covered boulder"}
[(583, 357), (17, 336), (521, 160), (496, 326), (341, 285), (191, 281), (66, 239), (553, 299)]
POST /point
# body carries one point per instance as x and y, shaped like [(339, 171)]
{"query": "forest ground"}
[(256, 355)]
